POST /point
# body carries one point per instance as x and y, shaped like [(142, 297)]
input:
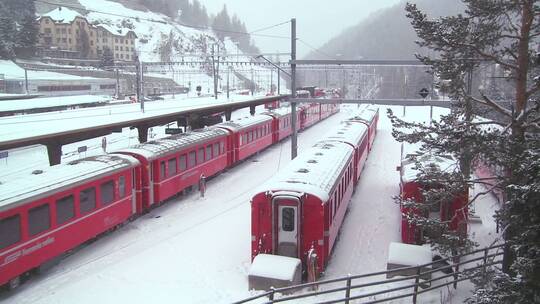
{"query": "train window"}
[(250, 136), (162, 170), (222, 146), (172, 167), (87, 199), (122, 186), (208, 152), (183, 164), (200, 156), (288, 219), (65, 209), (192, 160), (216, 149), (244, 138), (39, 219), (10, 231), (107, 192)]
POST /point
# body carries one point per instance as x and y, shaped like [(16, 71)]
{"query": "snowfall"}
[(197, 250)]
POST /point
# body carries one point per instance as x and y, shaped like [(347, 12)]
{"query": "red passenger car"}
[(300, 211), (174, 163), (66, 206), (368, 115), (247, 136), (454, 211), (355, 135)]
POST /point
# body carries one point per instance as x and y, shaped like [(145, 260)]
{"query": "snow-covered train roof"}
[(364, 113), (315, 171), (410, 171), (282, 111), (246, 122), (347, 132), (14, 190), (160, 147)]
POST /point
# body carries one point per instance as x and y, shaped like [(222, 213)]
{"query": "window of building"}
[(47, 30), (58, 31), (208, 152), (121, 48), (91, 42), (192, 159), (121, 40), (122, 56), (116, 40), (216, 149), (64, 31), (69, 40), (39, 219), (11, 231), (87, 199), (69, 30), (116, 47), (200, 156), (104, 40), (58, 40), (172, 167), (122, 186), (64, 40), (65, 209), (46, 21), (183, 164)]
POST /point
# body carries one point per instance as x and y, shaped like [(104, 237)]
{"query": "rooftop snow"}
[(410, 171), (164, 146), (16, 190), (365, 113), (409, 255), (245, 122), (62, 15), (314, 171), (274, 266), (351, 133)]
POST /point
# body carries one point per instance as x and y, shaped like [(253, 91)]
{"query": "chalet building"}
[(64, 33)]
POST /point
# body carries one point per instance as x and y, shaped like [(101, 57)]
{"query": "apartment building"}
[(64, 33)]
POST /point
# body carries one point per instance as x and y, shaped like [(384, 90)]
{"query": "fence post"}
[(486, 252), (348, 291), (416, 283), (271, 296), (456, 271)]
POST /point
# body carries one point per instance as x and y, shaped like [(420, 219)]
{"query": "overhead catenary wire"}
[(315, 49), (162, 21)]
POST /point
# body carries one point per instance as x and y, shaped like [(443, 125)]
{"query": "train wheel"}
[(14, 283)]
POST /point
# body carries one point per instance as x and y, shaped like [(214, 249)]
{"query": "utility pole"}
[(294, 139), (214, 68), (117, 84), (228, 71), (26, 80)]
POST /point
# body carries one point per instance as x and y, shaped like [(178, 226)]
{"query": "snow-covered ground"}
[(47, 102), (197, 250)]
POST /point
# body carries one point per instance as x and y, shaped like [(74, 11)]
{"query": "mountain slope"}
[(386, 34)]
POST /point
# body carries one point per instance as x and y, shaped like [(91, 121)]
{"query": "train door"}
[(287, 226), (151, 184)]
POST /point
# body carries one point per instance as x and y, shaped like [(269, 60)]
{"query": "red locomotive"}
[(455, 211), (72, 203), (299, 212)]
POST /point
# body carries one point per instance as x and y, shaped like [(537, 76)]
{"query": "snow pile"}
[(12, 71), (274, 266), (409, 255)]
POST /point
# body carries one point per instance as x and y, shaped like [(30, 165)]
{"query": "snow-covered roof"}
[(410, 171), (281, 111), (351, 133), (246, 122), (408, 255), (274, 266), (14, 190), (157, 148), (364, 113), (119, 31), (62, 15), (314, 171)]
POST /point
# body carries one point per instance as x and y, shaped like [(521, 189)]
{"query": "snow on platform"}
[(276, 271), (48, 102)]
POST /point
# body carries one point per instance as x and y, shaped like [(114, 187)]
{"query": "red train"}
[(299, 212), (72, 203), (455, 211)]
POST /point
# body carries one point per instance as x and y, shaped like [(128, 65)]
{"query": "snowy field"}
[(197, 250)]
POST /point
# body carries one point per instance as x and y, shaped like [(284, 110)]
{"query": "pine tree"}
[(491, 33), (27, 37), (107, 59), (8, 39)]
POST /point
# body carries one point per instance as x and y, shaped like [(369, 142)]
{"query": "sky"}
[(317, 21)]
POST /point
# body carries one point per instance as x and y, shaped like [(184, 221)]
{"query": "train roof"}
[(347, 132), (242, 123), (365, 113), (279, 112), (14, 190), (167, 145), (315, 171), (410, 171)]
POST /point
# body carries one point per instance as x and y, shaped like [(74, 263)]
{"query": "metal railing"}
[(484, 258)]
